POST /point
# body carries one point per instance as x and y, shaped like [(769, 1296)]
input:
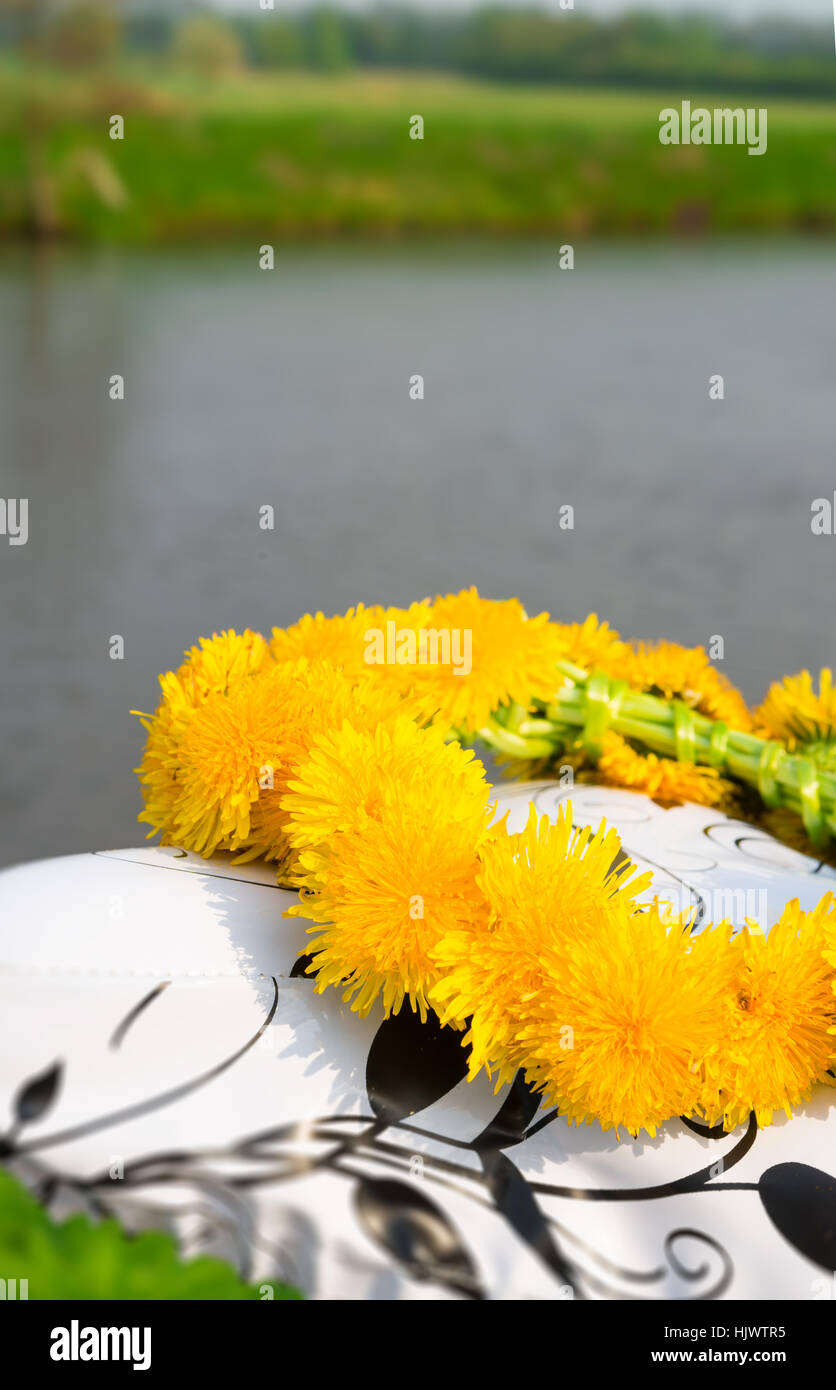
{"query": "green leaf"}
[(81, 1259)]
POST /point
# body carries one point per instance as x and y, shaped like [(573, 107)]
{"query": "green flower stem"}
[(589, 703), (516, 746)]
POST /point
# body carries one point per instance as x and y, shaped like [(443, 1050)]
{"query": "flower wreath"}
[(338, 750)]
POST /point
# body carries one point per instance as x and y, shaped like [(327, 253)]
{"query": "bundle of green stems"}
[(587, 704)]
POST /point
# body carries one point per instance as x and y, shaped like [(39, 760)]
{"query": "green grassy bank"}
[(290, 155)]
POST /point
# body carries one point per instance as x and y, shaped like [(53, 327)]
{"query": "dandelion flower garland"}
[(540, 947), (677, 673)]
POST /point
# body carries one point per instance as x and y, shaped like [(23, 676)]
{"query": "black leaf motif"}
[(37, 1095), (412, 1064), (513, 1197), (299, 970), (417, 1233), (516, 1201), (511, 1121), (801, 1202)]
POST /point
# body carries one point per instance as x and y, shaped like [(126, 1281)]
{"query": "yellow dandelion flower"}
[(345, 640), (339, 639), (317, 702), (229, 748), (156, 772), (387, 895), (592, 645), (683, 673), (387, 892), (550, 884), (620, 1034), (798, 713), (346, 779), (620, 765), (488, 653), (225, 765), (220, 661), (212, 667), (779, 1013)]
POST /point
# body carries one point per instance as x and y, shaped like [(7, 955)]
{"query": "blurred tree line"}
[(519, 45)]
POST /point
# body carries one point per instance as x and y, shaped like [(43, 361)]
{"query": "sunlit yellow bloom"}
[(492, 654), (592, 645), (213, 667), (548, 885), (315, 707), (779, 1013), (665, 779), (156, 772), (346, 781), (345, 639), (219, 662), (621, 1033), (609, 1009), (214, 770), (228, 735), (339, 639), (796, 712), (403, 871), (231, 745), (683, 673)]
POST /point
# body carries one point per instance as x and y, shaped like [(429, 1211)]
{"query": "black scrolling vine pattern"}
[(409, 1067)]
